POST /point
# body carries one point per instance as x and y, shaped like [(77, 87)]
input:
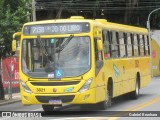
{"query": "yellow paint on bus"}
[(118, 62)]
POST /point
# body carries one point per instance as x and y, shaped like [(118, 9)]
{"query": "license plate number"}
[(55, 102)]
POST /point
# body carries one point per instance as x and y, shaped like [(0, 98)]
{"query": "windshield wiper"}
[(64, 44)]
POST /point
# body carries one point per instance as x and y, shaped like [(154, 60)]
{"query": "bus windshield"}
[(56, 57)]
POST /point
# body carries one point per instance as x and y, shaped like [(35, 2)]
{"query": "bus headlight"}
[(86, 85), (25, 87)]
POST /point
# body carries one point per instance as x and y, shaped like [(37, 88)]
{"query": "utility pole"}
[(149, 31), (148, 20), (33, 10)]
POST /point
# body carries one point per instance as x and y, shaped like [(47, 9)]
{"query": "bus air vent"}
[(54, 83)]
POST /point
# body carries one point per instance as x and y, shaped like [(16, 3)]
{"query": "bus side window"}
[(115, 48), (129, 45), (136, 53), (141, 45), (146, 41), (106, 44), (125, 42), (122, 45)]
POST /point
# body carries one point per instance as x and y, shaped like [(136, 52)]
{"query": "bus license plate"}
[(55, 102)]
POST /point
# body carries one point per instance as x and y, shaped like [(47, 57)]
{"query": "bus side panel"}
[(145, 80), (145, 71), (101, 87), (128, 75), (114, 70)]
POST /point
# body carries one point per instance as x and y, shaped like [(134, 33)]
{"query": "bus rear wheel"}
[(48, 108), (135, 94)]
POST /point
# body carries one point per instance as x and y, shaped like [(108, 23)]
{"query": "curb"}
[(6, 102)]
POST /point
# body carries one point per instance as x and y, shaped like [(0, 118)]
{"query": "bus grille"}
[(54, 83), (65, 99)]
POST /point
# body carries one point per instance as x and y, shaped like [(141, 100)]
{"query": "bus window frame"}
[(131, 45), (139, 47), (143, 45), (117, 36), (123, 44), (148, 44), (106, 33), (117, 45), (135, 39)]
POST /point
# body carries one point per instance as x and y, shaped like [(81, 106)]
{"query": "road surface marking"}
[(39, 109), (137, 107), (143, 105), (81, 118)]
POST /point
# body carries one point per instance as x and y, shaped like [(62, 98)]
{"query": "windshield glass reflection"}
[(56, 57)]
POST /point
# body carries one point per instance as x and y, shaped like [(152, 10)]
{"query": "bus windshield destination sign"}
[(56, 28)]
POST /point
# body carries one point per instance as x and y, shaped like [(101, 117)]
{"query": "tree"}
[(14, 13)]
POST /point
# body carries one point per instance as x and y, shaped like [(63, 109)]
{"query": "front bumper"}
[(70, 98)]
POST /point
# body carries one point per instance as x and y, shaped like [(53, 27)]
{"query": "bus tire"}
[(110, 90), (47, 108), (135, 94), (107, 103)]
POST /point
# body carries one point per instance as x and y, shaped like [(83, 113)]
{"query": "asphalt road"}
[(148, 105)]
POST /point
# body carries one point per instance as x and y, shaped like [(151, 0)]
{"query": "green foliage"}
[(14, 13)]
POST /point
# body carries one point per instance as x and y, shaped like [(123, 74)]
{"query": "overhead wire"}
[(87, 5)]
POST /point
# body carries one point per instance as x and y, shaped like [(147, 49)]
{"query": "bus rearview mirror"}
[(14, 41), (13, 45)]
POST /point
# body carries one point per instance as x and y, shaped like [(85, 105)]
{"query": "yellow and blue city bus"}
[(81, 61)]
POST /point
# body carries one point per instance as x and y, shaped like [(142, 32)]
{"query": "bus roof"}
[(102, 23)]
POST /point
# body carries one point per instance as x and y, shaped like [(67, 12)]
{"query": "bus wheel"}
[(135, 93), (107, 103), (109, 98), (47, 108)]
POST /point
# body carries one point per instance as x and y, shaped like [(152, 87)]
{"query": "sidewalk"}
[(15, 98)]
